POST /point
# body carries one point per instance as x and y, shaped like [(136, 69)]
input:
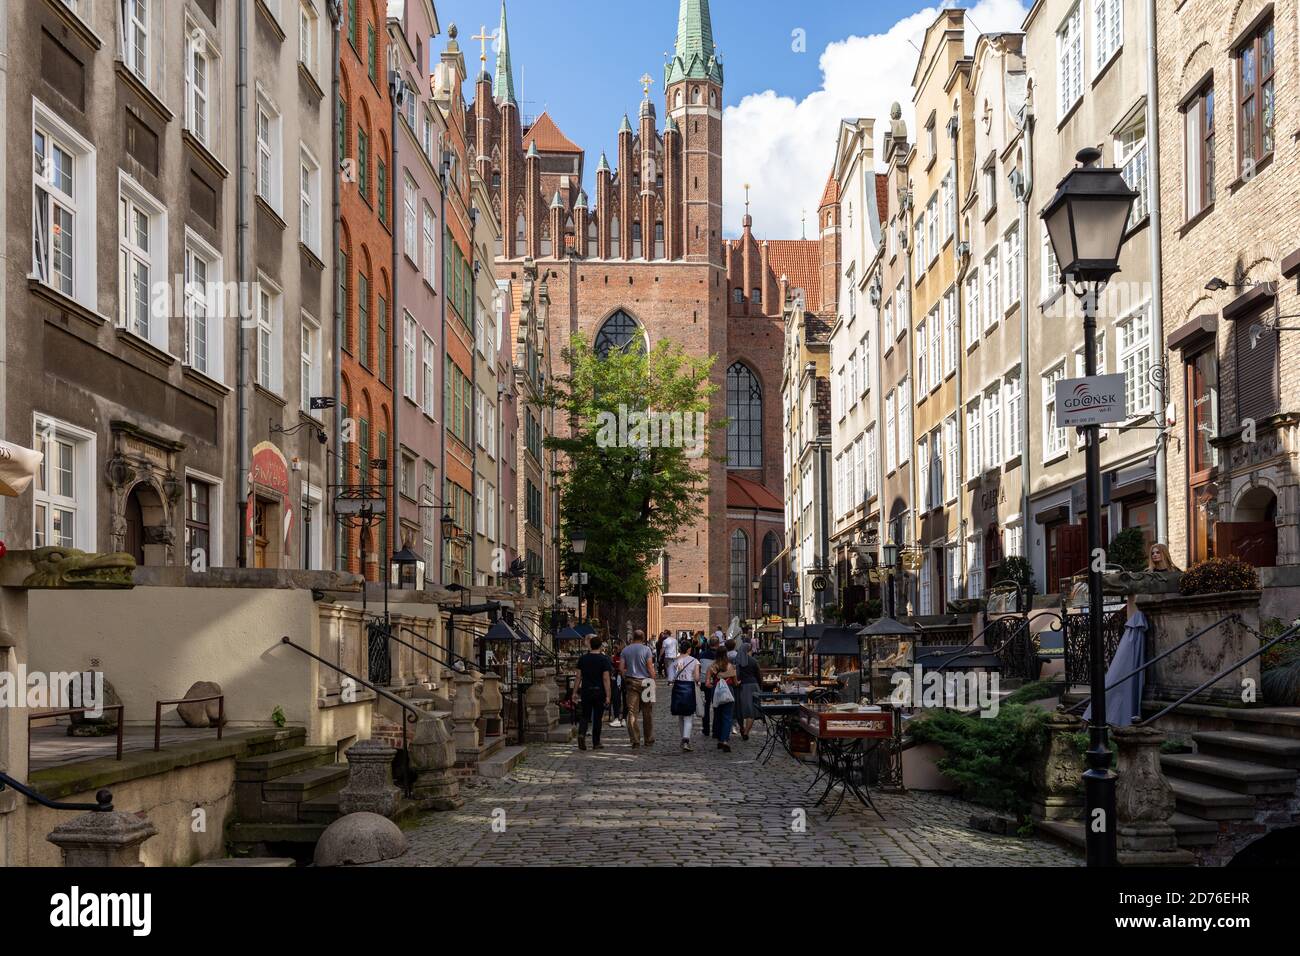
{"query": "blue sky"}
[(785, 90)]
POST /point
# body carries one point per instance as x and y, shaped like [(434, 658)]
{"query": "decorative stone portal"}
[(145, 489)]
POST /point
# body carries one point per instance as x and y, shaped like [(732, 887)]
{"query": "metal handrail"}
[(965, 651), (103, 804), (157, 714), (1263, 648), (412, 714), (457, 658), (1159, 657), (121, 720)]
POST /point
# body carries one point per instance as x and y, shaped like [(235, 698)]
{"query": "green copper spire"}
[(695, 57), (503, 86)]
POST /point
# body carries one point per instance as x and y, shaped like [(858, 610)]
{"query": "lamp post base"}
[(1101, 823)]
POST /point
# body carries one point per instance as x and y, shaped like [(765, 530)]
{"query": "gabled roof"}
[(743, 493), (831, 194), (548, 138), (800, 261)]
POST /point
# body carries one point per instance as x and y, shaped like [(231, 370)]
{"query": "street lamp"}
[(578, 544), (1086, 221), (889, 556), (406, 571)]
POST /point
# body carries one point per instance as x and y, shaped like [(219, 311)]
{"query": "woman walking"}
[(720, 681), (684, 674), (747, 695)]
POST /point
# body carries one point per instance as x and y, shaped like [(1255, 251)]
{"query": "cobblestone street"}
[(662, 807)]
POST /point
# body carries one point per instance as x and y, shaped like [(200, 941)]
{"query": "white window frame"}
[(923, 465), (974, 440), (79, 206), (309, 200), (973, 330), (427, 382), (135, 31), (1107, 31), (83, 500), (935, 322), (133, 200), (992, 287), (430, 232), (891, 433), (410, 241), (208, 299), (268, 127), (1013, 409), (409, 330), (904, 420), (922, 354), (951, 345), (993, 427), (308, 39), (270, 335), (952, 460), (872, 461), (198, 94), (216, 524), (1055, 440), (1134, 356), (310, 362), (1011, 271), (1069, 61)]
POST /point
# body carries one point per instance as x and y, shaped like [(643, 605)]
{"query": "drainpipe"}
[(1026, 190), (958, 432), (1157, 280), (442, 365), (396, 331), (910, 249), (336, 19), (473, 377), (242, 268)]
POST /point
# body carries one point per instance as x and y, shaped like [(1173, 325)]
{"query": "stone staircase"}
[(1241, 780)]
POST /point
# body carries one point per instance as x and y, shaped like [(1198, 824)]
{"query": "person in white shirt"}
[(684, 676), (670, 649)]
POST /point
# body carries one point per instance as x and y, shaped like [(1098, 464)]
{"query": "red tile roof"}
[(800, 261), (548, 137), (831, 194), (882, 196), (743, 493)]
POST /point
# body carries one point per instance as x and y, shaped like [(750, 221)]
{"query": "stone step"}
[(1243, 776), (324, 809), (1261, 748), (246, 834), (285, 738), (281, 763), (502, 762), (1071, 835), (1211, 803), (306, 784), (1067, 832), (242, 861), (1193, 831)]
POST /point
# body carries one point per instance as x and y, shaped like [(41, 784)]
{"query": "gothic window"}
[(521, 229), (613, 238), (636, 240), (659, 240), (739, 574), (620, 332), (744, 418), (592, 242), (771, 584), (738, 295)]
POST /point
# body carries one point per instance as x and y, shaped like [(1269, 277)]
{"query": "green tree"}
[(629, 490)]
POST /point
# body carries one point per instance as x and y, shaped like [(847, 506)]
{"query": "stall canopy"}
[(568, 634), (838, 641)]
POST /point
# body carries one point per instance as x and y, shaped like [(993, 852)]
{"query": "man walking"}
[(707, 656), (667, 650), (592, 691), (638, 665)]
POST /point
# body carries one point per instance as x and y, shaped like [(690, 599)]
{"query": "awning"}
[(838, 641)]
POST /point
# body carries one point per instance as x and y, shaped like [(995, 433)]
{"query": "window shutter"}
[(1258, 391)]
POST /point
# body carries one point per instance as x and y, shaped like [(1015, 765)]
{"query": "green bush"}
[(1038, 690), (1016, 570), (1128, 549), (990, 759), (1214, 575)]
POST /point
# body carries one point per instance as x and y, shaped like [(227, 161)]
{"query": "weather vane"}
[(483, 39), (646, 81), (746, 199)]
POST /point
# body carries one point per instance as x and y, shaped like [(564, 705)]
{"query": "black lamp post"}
[(1086, 221), (407, 570), (578, 544)]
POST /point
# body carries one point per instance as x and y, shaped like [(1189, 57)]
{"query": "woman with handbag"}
[(684, 674), (720, 681)]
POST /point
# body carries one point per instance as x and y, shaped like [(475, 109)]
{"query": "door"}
[(1255, 542), (1202, 417), (1067, 553), (134, 516), (260, 539)]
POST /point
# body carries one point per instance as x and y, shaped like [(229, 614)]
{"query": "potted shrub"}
[(1219, 575), (1128, 550)]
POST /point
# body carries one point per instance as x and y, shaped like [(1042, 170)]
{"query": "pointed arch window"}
[(744, 418), (771, 584), (620, 332), (739, 574), (613, 238)]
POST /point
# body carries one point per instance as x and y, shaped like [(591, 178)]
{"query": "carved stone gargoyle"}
[(66, 568)]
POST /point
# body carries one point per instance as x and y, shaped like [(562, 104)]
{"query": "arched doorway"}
[(148, 536), (1253, 535), (134, 516)]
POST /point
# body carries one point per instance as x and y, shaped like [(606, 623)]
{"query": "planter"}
[(1174, 618)]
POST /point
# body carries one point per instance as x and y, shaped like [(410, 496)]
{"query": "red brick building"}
[(647, 258), (364, 259)]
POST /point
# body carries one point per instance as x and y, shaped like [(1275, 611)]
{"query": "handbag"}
[(722, 694), (682, 703)]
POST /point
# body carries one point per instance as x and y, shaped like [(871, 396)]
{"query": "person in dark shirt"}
[(592, 691)]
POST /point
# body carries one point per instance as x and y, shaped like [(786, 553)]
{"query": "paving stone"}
[(660, 807)]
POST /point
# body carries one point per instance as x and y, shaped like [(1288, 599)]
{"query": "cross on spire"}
[(484, 38), (646, 81), (746, 199)]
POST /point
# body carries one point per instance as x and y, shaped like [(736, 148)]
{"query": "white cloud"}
[(784, 147)]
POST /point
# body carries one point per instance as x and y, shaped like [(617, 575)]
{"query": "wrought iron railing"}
[(411, 713), (157, 714), (121, 722), (378, 653), (103, 798), (1078, 643)]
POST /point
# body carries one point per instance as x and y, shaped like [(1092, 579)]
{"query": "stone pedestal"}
[(466, 708), (370, 786), (1058, 774), (1174, 618), (433, 755), (541, 712), (491, 703), (102, 839), (1144, 801)]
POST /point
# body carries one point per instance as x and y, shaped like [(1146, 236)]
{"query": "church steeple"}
[(695, 57), (503, 86)]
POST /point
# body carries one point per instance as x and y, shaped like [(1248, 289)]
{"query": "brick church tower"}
[(643, 256)]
